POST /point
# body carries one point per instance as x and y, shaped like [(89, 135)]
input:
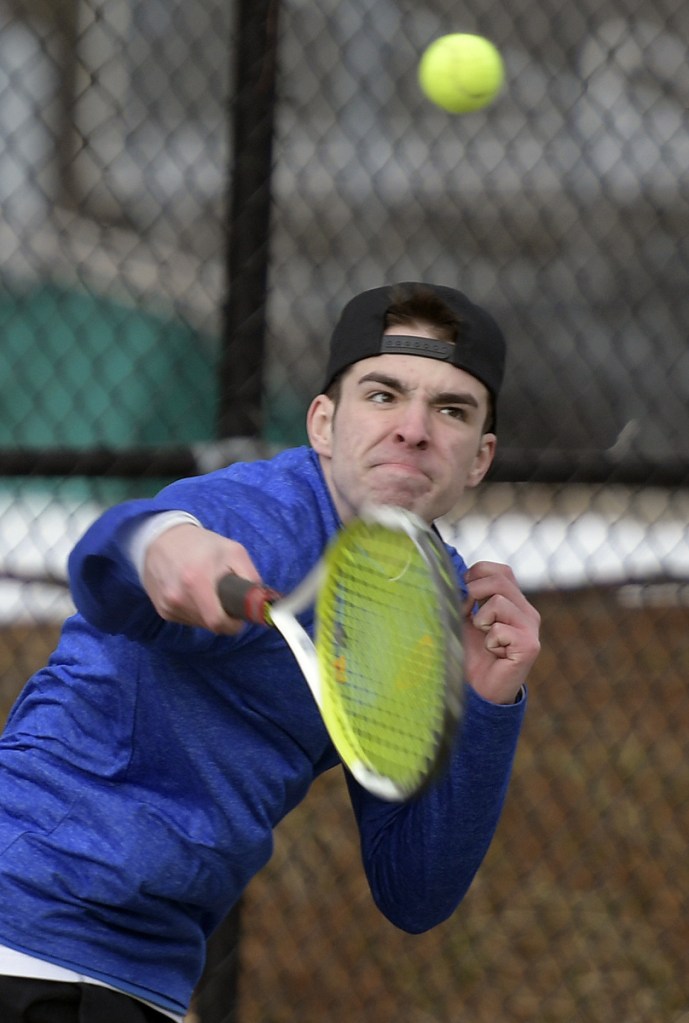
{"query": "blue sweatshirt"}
[(143, 770)]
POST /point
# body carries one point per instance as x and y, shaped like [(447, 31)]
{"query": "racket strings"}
[(381, 647)]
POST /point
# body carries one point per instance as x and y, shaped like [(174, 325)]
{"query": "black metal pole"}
[(243, 347), (248, 230)]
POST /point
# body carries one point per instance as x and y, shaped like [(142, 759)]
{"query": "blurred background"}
[(189, 193)]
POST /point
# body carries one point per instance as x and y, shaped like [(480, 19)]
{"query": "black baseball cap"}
[(479, 347)]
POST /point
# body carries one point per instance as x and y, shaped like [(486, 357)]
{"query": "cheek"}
[(347, 437), (349, 445), (464, 460)]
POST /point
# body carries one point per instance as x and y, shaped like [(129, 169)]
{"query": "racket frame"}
[(433, 550)]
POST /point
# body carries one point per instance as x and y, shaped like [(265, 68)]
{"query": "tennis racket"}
[(386, 664)]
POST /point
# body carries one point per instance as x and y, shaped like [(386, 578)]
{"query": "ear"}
[(483, 459), (319, 424)]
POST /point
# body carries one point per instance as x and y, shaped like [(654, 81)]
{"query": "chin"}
[(402, 497)]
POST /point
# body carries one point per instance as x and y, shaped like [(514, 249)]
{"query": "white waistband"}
[(18, 964)]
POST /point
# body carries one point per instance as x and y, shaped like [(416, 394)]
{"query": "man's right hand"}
[(182, 568)]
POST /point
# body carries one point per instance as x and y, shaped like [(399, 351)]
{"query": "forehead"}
[(416, 371)]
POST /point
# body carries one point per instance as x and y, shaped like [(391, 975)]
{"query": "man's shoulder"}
[(291, 477), (282, 512)]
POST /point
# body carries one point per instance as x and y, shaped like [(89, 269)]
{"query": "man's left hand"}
[(501, 637)]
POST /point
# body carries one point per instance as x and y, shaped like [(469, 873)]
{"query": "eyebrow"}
[(442, 398)]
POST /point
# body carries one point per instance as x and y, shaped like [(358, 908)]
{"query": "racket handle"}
[(247, 600)]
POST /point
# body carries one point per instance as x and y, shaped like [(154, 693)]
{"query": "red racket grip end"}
[(247, 600)]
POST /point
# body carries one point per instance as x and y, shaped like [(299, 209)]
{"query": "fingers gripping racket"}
[(386, 664)]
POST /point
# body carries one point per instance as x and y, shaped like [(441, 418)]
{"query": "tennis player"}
[(143, 770)]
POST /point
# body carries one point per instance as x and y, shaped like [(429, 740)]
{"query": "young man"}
[(143, 770)]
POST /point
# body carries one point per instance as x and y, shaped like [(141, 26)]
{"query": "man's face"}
[(408, 430)]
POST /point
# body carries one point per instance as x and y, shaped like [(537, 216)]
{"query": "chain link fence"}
[(189, 192)]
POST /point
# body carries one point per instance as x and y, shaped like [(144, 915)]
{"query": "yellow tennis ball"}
[(461, 72)]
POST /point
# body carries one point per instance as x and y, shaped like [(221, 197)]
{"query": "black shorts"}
[(25, 1000)]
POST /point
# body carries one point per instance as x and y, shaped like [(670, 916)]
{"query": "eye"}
[(458, 412), (380, 397)]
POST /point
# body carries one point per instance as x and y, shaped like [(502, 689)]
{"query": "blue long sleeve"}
[(420, 858)]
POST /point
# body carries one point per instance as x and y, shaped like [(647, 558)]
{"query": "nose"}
[(412, 426)]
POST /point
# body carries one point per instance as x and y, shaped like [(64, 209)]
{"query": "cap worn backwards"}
[(479, 347)]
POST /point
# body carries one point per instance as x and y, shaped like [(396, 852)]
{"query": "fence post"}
[(253, 115), (252, 107)]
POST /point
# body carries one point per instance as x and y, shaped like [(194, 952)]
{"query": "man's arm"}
[(139, 567), (421, 857)]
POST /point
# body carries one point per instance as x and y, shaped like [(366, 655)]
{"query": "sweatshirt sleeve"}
[(260, 505), (421, 857), (105, 583)]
